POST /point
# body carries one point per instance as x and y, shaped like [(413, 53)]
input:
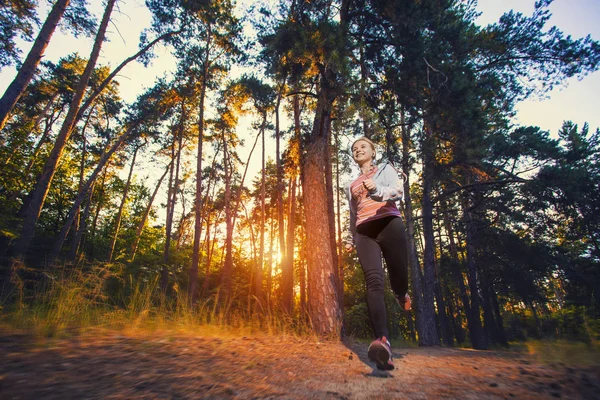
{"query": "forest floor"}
[(167, 365)]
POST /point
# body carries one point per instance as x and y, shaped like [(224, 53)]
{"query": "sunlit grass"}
[(75, 302)]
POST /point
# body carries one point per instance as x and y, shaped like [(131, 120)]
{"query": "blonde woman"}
[(376, 228)]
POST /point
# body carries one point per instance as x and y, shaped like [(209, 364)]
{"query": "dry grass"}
[(74, 301)]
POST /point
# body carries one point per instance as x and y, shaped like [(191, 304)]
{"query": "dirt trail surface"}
[(167, 366)]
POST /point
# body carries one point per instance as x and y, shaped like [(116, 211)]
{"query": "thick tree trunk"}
[(34, 207), (27, 70), (323, 306)]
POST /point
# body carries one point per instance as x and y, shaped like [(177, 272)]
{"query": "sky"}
[(575, 101), (578, 100)]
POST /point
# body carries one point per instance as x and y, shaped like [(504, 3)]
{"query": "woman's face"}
[(362, 152)]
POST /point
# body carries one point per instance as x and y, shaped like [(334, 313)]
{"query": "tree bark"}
[(193, 274), (122, 206), (280, 187), (287, 273), (172, 197), (81, 195), (227, 273), (34, 207), (323, 306), (424, 310), (261, 256), (17, 87), (476, 333), (140, 227)]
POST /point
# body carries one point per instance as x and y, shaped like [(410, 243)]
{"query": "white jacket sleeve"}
[(389, 186)]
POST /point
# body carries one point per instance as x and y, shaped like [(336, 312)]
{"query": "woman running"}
[(376, 227)]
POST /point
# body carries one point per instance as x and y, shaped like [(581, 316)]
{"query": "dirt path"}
[(165, 366)]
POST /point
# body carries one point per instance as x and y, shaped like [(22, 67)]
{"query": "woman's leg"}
[(369, 255), (394, 246)]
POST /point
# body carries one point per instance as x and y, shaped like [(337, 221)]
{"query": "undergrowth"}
[(71, 301)]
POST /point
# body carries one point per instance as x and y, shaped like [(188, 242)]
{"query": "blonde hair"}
[(365, 139)]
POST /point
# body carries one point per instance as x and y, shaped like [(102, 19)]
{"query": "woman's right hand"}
[(348, 247)]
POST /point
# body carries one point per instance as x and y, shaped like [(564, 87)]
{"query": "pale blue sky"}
[(578, 100)]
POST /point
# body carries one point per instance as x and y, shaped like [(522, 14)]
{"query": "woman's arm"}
[(389, 186), (348, 238)]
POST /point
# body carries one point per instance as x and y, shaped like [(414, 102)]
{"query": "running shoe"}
[(404, 302), (380, 353)]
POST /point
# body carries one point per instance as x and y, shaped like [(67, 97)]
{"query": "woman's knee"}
[(374, 281)]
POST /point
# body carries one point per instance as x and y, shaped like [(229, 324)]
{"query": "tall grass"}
[(72, 300)]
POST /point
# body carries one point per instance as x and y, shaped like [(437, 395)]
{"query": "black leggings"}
[(387, 236)]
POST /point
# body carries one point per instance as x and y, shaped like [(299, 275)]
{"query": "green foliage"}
[(17, 18)]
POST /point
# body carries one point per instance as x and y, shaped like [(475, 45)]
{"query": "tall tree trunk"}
[(476, 333), (445, 330), (499, 321), (97, 213), (142, 223), (323, 306), (331, 221), (81, 229), (77, 223), (269, 271), (457, 275), (60, 238), (340, 265), (193, 274), (302, 273), (34, 207), (259, 267), (172, 198), (489, 323), (113, 243), (27, 70), (226, 277), (206, 216), (287, 273), (425, 312), (280, 187)]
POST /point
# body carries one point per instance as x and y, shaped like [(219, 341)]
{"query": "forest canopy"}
[(165, 193)]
